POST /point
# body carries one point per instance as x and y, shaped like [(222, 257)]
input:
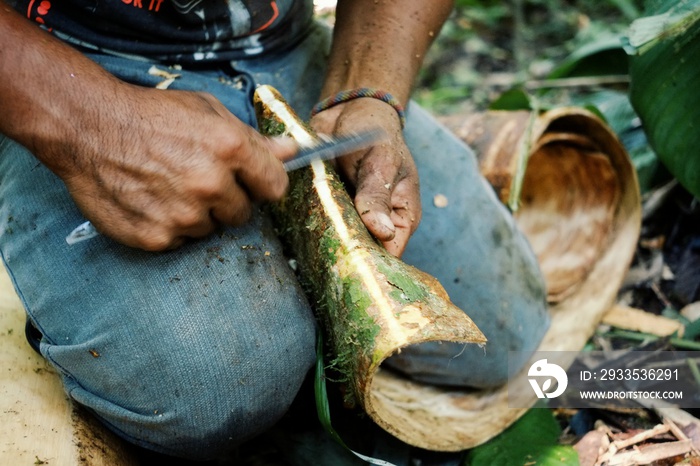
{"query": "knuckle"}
[(242, 214), (372, 201), (234, 143), (155, 240), (279, 186), (206, 186), (235, 212), (188, 217)]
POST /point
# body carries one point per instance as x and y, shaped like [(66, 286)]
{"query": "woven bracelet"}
[(344, 96)]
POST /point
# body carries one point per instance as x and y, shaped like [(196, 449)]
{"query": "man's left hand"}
[(385, 178)]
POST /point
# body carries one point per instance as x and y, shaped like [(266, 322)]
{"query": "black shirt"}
[(175, 31)]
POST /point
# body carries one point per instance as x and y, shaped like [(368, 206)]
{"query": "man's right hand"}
[(147, 167), (157, 167)]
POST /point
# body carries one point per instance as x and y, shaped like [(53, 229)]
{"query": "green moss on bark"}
[(268, 125), (407, 290)]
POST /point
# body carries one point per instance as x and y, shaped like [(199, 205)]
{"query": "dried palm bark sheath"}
[(569, 167), (580, 208), (370, 303)]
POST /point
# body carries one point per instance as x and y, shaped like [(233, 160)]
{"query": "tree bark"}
[(370, 303)]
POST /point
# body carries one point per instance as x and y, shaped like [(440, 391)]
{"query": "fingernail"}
[(385, 221)]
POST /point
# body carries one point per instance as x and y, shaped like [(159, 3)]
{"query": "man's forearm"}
[(382, 44), (42, 81)]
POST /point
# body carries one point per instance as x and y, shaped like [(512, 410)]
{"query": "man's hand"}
[(380, 45), (384, 177), (156, 167), (147, 167)]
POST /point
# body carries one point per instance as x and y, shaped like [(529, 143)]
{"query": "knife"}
[(331, 148), (326, 149)]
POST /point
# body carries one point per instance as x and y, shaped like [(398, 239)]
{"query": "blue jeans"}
[(190, 352)]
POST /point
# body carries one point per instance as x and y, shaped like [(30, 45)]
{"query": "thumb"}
[(373, 203), (259, 167)]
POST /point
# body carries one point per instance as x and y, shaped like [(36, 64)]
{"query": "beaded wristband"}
[(344, 96)]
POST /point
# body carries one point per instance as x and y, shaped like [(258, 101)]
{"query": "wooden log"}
[(40, 425), (371, 303)]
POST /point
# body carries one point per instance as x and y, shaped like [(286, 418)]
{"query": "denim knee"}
[(477, 252), (194, 404)]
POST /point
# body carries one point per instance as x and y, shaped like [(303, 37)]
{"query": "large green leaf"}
[(665, 19), (664, 71), (531, 440)]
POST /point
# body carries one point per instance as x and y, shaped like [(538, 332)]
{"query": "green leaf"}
[(512, 99), (627, 7), (323, 408), (662, 92), (617, 109), (604, 56), (531, 440), (665, 20), (692, 330), (596, 111)]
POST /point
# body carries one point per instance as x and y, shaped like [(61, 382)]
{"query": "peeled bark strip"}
[(591, 210), (371, 303)]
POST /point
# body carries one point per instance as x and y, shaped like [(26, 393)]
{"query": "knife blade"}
[(332, 148), (327, 149)]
